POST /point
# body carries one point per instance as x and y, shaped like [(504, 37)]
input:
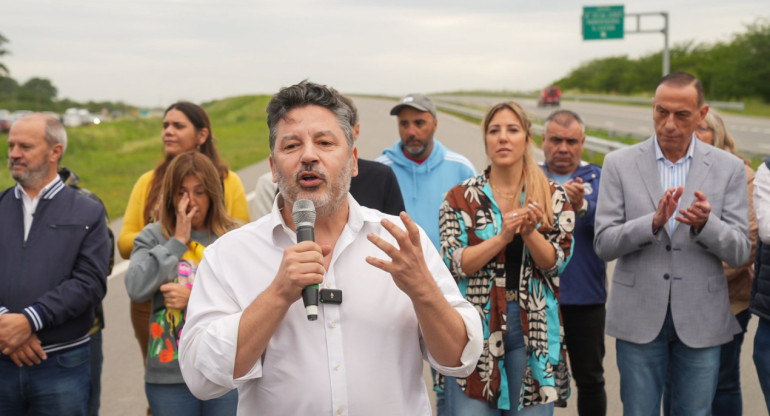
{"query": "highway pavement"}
[(752, 134), (122, 379)]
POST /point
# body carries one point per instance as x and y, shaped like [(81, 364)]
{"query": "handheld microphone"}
[(303, 214)]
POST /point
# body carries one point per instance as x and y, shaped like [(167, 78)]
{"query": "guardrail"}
[(723, 105), (596, 144)]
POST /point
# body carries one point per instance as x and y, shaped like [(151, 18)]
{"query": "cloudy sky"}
[(153, 52)]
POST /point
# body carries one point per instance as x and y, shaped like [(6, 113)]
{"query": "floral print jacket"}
[(470, 215)]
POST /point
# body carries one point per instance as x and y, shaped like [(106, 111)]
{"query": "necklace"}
[(508, 197)]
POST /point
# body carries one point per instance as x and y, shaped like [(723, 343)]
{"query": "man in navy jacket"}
[(583, 285), (54, 254)]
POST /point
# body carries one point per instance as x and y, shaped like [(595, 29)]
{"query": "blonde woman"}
[(506, 235)]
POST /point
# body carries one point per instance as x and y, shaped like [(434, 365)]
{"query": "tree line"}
[(737, 69), (40, 94)]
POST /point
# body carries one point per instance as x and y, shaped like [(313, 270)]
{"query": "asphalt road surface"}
[(752, 134), (122, 378)]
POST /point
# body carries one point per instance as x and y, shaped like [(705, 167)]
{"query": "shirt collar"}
[(48, 192), (659, 153), (357, 216)]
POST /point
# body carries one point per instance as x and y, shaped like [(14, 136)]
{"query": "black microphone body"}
[(304, 215)]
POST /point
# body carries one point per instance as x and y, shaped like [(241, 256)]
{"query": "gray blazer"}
[(685, 267)]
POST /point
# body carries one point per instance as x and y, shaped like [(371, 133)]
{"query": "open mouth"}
[(309, 179)]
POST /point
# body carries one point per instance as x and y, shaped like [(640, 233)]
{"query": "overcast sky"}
[(153, 52)]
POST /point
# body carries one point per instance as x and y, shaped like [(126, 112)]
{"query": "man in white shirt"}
[(245, 328)]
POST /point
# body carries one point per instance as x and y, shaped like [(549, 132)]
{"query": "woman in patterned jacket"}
[(506, 235)]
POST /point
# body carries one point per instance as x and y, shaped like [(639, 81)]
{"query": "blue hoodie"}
[(424, 185), (584, 280)]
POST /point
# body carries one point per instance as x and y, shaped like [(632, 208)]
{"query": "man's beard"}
[(414, 151), (31, 175), (326, 203)]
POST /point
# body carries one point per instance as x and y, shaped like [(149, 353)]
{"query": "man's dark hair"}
[(349, 102), (684, 79), (304, 94), (564, 118)]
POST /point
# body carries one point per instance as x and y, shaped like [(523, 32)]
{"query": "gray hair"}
[(55, 133), (308, 93), (54, 130), (564, 118)]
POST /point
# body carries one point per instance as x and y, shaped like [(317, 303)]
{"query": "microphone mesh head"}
[(303, 212)]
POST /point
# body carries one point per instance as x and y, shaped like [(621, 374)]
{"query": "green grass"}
[(110, 157)]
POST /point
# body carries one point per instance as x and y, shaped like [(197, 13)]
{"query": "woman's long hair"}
[(536, 185), (196, 164), (199, 119), (722, 138)]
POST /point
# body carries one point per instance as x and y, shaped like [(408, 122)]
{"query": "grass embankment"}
[(110, 157)]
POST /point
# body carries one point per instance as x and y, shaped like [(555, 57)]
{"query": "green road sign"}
[(603, 22)]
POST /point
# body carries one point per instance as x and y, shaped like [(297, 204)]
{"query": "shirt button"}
[(336, 367), (666, 276), (668, 247), (334, 324), (340, 411)]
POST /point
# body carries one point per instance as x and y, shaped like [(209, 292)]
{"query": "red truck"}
[(549, 96)]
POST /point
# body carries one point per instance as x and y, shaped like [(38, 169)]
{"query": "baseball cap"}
[(418, 101)]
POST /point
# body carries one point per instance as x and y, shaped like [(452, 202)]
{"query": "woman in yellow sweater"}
[(186, 127)]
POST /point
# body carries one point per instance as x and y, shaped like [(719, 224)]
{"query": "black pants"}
[(584, 336)]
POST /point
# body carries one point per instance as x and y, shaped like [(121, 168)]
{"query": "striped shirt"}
[(673, 175)]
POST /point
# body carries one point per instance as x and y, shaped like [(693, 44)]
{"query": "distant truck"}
[(549, 96)]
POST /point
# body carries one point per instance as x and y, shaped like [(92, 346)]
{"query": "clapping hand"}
[(575, 192), (666, 207), (696, 214), (521, 220)]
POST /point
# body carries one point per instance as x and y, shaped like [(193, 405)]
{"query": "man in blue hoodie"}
[(583, 285), (424, 167), (425, 170)]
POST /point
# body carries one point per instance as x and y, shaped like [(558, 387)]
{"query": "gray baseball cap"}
[(417, 101)]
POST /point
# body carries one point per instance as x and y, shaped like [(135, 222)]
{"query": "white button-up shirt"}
[(762, 202), (361, 357)]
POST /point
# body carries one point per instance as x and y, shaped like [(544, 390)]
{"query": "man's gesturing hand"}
[(666, 207), (696, 214), (407, 265), (302, 265)]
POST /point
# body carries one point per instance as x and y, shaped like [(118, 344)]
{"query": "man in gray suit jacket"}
[(670, 210)]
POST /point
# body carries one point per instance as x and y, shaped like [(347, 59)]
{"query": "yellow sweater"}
[(133, 220)]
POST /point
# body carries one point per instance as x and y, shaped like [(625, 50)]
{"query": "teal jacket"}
[(424, 185)]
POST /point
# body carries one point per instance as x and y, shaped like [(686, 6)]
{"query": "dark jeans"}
[(762, 358), (727, 400), (177, 400), (97, 358), (584, 336), (57, 386)]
